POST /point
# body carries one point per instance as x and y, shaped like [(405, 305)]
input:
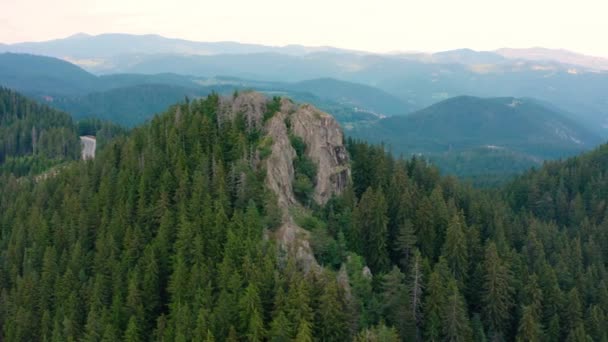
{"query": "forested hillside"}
[(33, 136), (171, 234), (483, 138)]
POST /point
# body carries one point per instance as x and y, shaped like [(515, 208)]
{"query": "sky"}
[(373, 25)]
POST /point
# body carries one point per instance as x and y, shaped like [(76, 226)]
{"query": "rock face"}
[(279, 165), (325, 146)]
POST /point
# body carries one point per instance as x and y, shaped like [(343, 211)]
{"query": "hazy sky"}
[(374, 25)]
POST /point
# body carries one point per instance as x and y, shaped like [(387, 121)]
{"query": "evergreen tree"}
[(456, 325), (497, 290)]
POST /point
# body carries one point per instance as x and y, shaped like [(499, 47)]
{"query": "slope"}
[(39, 75), (520, 130), (130, 99), (32, 136), (359, 96), (171, 234)]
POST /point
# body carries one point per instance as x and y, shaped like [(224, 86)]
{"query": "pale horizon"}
[(383, 26), (408, 51)]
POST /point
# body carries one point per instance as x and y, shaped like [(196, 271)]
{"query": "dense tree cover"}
[(524, 263), (104, 131), (486, 139), (167, 236), (34, 137), (28, 128)]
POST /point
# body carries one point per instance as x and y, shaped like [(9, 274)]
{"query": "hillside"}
[(560, 55), (247, 218), (127, 106), (354, 95), (571, 81), (96, 50), (130, 99), (33, 137), (466, 131), (41, 75)]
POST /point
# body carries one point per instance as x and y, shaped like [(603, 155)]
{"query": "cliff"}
[(324, 146)]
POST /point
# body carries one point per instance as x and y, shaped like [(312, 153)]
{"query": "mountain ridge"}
[(521, 130)]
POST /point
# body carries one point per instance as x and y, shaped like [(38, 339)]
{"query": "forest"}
[(167, 236), (35, 137)]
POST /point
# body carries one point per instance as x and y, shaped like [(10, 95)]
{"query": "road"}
[(89, 143)]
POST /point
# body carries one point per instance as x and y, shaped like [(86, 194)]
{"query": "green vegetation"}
[(272, 107), (305, 171), (33, 137), (493, 138), (167, 235)]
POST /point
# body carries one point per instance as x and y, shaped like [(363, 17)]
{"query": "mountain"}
[(130, 99), (418, 83), (358, 96), (467, 56), (418, 80), (559, 55), (126, 106), (39, 74), (249, 218), (98, 52), (464, 131)]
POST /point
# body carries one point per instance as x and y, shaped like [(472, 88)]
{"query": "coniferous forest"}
[(168, 235)]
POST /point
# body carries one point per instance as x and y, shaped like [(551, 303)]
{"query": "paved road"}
[(88, 147)]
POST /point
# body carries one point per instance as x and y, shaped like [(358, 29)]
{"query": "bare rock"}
[(325, 146), (295, 240), (344, 283), (367, 273), (279, 165)]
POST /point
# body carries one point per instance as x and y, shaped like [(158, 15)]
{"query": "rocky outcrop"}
[(324, 141), (325, 146), (279, 179), (279, 165)]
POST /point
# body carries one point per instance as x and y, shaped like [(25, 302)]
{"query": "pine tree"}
[(405, 243), (497, 290), (455, 249), (395, 300), (529, 329), (370, 223), (456, 325), (433, 303), (332, 316), (304, 332), (132, 334), (280, 329), (250, 311)]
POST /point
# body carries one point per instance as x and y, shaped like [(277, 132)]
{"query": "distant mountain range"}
[(92, 51), (130, 99), (488, 135), (558, 55), (371, 95), (570, 81)]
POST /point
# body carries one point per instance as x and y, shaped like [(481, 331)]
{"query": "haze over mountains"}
[(572, 82), (128, 78), (472, 136)]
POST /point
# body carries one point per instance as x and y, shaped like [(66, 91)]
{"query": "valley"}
[(371, 101)]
